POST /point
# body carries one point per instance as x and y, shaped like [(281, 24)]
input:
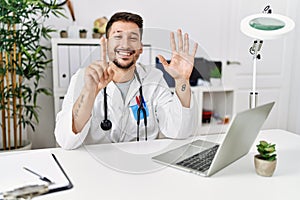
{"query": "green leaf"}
[(263, 143), (28, 16), (266, 150)]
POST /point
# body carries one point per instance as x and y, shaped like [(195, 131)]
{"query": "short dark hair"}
[(125, 17)]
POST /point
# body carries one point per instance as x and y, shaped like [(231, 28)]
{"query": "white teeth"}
[(124, 53)]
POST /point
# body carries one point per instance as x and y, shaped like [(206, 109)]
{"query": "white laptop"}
[(206, 158)]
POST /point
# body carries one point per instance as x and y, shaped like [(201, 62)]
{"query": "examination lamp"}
[(260, 27)]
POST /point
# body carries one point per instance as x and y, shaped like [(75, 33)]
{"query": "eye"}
[(133, 38), (118, 37)]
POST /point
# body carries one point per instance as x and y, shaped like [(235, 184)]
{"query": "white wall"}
[(294, 106), (202, 19)]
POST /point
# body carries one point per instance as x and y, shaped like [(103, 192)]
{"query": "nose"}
[(124, 42)]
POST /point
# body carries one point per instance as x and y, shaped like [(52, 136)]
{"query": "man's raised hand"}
[(182, 62), (99, 74)]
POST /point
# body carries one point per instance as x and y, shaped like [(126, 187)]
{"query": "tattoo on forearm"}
[(183, 87), (78, 107)]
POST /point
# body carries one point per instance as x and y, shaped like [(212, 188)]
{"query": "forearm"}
[(82, 110), (183, 91)]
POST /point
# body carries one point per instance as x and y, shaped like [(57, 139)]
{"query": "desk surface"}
[(125, 171)]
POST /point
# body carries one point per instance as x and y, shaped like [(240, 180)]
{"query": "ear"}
[(141, 49)]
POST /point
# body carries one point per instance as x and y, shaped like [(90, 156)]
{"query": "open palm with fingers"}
[(182, 61)]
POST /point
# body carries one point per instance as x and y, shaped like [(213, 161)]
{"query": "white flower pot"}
[(264, 167)]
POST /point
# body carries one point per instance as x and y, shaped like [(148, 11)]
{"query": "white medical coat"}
[(165, 112)]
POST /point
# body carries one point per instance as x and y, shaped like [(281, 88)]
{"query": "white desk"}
[(94, 180)]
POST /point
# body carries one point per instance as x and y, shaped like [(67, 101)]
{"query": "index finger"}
[(103, 49)]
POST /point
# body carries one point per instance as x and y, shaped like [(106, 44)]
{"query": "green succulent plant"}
[(266, 150)]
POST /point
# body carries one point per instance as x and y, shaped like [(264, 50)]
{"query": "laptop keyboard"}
[(200, 161)]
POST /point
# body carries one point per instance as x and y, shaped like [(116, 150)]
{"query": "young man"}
[(106, 100)]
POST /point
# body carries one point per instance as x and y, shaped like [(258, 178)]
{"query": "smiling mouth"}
[(123, 52)]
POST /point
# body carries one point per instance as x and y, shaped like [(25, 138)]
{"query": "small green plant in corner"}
[(266, 151)]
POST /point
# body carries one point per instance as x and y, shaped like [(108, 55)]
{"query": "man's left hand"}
[(182, 62)]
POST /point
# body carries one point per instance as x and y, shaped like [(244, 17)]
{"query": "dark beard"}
[(115, 61)]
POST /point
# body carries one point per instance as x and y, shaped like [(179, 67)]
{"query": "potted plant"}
[(82, 33), (22, 65), (96, 33), (63, 34), (265, 161)]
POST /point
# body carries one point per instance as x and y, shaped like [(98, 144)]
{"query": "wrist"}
[(179, 82), (90, 91), (183, 91), (182, 85)]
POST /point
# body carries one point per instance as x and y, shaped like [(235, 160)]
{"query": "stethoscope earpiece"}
[(106, 125)]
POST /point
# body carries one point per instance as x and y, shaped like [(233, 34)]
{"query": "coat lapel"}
[(135, 85)]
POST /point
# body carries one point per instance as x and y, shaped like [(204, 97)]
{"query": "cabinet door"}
[(74, 57), (63, 66)]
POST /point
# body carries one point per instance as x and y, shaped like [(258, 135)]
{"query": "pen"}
[(137, 100), (43, 178)]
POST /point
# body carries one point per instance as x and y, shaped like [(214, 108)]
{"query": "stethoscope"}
[(106, 123)]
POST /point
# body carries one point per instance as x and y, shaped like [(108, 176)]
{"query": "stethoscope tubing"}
[(139, 110)]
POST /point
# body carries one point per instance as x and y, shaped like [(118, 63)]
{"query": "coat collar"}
[(113, 91)]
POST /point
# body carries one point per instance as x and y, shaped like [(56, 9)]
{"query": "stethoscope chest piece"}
[(106, 125)]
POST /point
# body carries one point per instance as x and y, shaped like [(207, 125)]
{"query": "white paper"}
[(13, 174)]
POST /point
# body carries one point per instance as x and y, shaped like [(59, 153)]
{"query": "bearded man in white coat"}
[(119, 100)]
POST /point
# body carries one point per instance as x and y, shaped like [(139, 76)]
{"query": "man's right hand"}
[(98, 74), (96, 77)]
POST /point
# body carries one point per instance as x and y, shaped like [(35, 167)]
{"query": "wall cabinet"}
[(71, 54)]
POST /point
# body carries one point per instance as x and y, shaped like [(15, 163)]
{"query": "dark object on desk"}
[(202, 70)]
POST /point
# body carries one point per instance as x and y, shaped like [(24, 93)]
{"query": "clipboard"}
[(62, 188), (18, 181)]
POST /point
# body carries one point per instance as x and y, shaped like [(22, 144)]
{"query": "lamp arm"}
[(254, 49)]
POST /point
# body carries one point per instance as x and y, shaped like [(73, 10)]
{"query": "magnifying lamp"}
[(264, 26)]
